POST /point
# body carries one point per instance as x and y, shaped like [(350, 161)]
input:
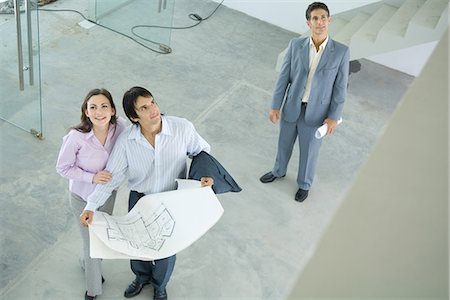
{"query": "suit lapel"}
[(327, 53), (304, 53)]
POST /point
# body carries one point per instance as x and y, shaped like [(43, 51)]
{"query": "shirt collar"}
[(321, 47), (91, 134), (136, 134), (166, 128)]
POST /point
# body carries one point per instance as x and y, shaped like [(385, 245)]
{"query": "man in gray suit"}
[(311, 91)]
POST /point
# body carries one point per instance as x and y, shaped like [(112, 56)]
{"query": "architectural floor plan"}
[(158, 226), (142, 232)]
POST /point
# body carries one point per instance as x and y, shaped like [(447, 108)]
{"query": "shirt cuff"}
[(91, 206), (88, 177)]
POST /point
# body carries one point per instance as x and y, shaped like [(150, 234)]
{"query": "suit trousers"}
[(309, 148), (156, 272), (92, 266)]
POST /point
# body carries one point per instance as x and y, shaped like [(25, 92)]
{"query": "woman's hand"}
[(102, 177)]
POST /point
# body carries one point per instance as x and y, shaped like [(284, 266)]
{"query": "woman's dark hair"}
[(86, 124), (129, 101), (314, 6)]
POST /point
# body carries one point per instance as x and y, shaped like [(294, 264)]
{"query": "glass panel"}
[(22, 108), (124, 15)]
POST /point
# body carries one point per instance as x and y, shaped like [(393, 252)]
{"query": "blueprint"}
[(158, 226), (141, 232)]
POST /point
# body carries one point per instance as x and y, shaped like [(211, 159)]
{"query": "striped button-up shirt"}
[(150, 169)]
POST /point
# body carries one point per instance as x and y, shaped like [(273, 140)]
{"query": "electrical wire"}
[(115, 31), (164, 49), (192, 16)]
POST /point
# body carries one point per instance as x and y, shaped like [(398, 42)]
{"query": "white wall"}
[(409, 60), (288, 14)]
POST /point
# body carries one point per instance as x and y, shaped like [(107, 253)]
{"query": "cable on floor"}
[(164, 49)]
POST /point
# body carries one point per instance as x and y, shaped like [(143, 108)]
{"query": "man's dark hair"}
[(314, 6), (129, 101)]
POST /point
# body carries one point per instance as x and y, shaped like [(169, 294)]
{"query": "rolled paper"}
[(322, 130)]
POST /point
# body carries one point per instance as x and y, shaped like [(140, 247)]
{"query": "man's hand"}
[(86, 217), (332, 125), (102, 177), (274, 115), (206, 181)]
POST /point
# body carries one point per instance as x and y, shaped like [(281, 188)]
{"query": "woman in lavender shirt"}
[(82, 160)]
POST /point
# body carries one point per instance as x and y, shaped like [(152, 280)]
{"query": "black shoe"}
[(86, 297), (269, 177), (301, 195), (160, 295), (134, 288)]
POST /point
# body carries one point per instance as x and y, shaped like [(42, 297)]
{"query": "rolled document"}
[(322, 130)]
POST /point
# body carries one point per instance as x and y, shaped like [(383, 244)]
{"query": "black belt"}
[(304, 103)]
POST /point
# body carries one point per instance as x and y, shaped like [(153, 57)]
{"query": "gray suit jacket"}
[(329, 85)]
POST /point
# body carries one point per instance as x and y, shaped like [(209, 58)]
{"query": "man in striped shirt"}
[(152, 152)]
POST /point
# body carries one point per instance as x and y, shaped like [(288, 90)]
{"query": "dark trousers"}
[(156, 272)]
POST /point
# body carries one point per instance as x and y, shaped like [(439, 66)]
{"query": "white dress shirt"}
[(314, 58), (150, 169)]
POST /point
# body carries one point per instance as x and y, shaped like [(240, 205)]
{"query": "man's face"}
[(318, 22), (147, 111)]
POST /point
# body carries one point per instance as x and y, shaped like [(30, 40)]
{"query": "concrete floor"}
[(220, 76)]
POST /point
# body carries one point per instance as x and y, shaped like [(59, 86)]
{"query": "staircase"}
[(387, 25)]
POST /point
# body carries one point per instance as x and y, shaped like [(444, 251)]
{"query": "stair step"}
[(429, 14), (336, 25), (369, 30), (345, 34), (399, 22), (443, 21)]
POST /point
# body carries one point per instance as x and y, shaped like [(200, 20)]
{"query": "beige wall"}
[(389, 238)]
